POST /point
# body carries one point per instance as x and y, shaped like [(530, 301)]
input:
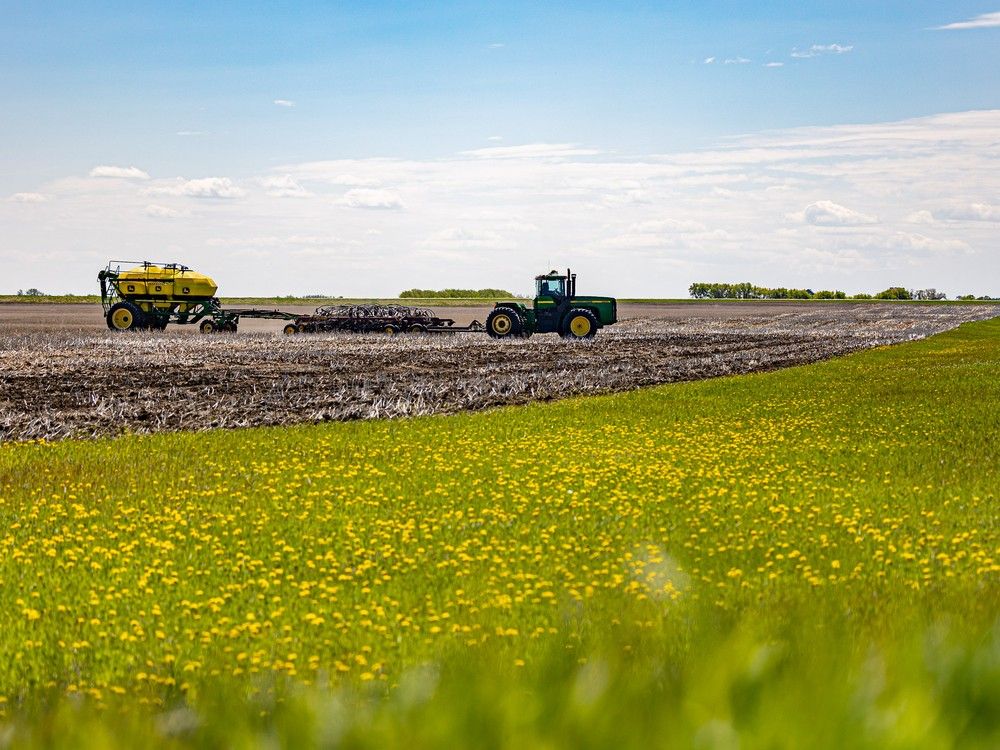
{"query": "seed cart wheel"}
[(290, 329), (579, 324), (503, 322), (391, 330), (208, 326), (417, 328), (124, 316), (229, 328)]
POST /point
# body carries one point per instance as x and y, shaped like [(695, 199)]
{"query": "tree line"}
[(746, 290), (456, 293)]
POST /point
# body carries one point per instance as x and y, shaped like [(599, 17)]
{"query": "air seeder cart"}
[(150, 295)]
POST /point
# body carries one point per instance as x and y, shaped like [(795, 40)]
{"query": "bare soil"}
[(62, 374)]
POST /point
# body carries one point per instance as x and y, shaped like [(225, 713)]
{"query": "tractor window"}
[(555, 287)]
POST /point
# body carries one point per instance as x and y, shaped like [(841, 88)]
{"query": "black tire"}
[(229, 328), (417, 328), (208, 326), (504, 322), (125, 316), (390, 330), (579, 324), (290, 329)]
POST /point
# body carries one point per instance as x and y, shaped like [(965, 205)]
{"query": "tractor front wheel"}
[(579, 324), (124, 316), (503, 323)]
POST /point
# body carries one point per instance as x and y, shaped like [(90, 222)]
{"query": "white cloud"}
[(984, 21), (532, 151), (709, 60), (373, 199), (495, 138), (458, 238), (830, 214), (205, 187), (737, 61), (28, 198), (774, 65), (973, 212), (497, 45), (920, 217), (188, 133), (284, 102), (284, 186), (120, 173), (822, 49), (161, 212)]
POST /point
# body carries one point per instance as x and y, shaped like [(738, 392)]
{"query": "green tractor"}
[(556, 309)]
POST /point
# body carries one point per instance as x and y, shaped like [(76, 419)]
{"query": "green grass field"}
[(806, 558)]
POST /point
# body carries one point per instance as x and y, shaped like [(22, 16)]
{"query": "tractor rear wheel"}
[(579, 324), (504, 322), (124, 316)]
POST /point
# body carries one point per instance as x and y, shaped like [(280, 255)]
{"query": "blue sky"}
[(254, 93)]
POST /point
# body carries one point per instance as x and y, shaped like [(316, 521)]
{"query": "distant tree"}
[(456, 294), (861, 295), (928, 294), (30, 292), (894, 292)]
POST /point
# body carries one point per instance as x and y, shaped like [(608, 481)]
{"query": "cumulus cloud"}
[(28, 198), (920, 217), (120, 173), (205, 187), (284, 103), (372, 199), (822, 49), (458, 238), (532, 151), (709, 60), (830, 214), (984, 21), (161, 212), (284, 186), (973, 212)]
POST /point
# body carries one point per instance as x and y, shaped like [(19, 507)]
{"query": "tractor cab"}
[(553, 284)]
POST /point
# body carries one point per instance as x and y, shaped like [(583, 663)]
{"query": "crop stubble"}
[(56, 385)]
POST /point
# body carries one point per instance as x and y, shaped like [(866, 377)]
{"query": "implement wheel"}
[(579, 324), (124, 316), (208, 326), (503, 322), (290, 329), (391, 330)]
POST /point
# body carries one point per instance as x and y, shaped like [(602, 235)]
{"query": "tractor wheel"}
[(579, 324), (290, 329), (504, 322), (124, 316), (208, 326), (390, 330), (229, 328)]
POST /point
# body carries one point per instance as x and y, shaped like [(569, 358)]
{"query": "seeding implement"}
[(389, 319)]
